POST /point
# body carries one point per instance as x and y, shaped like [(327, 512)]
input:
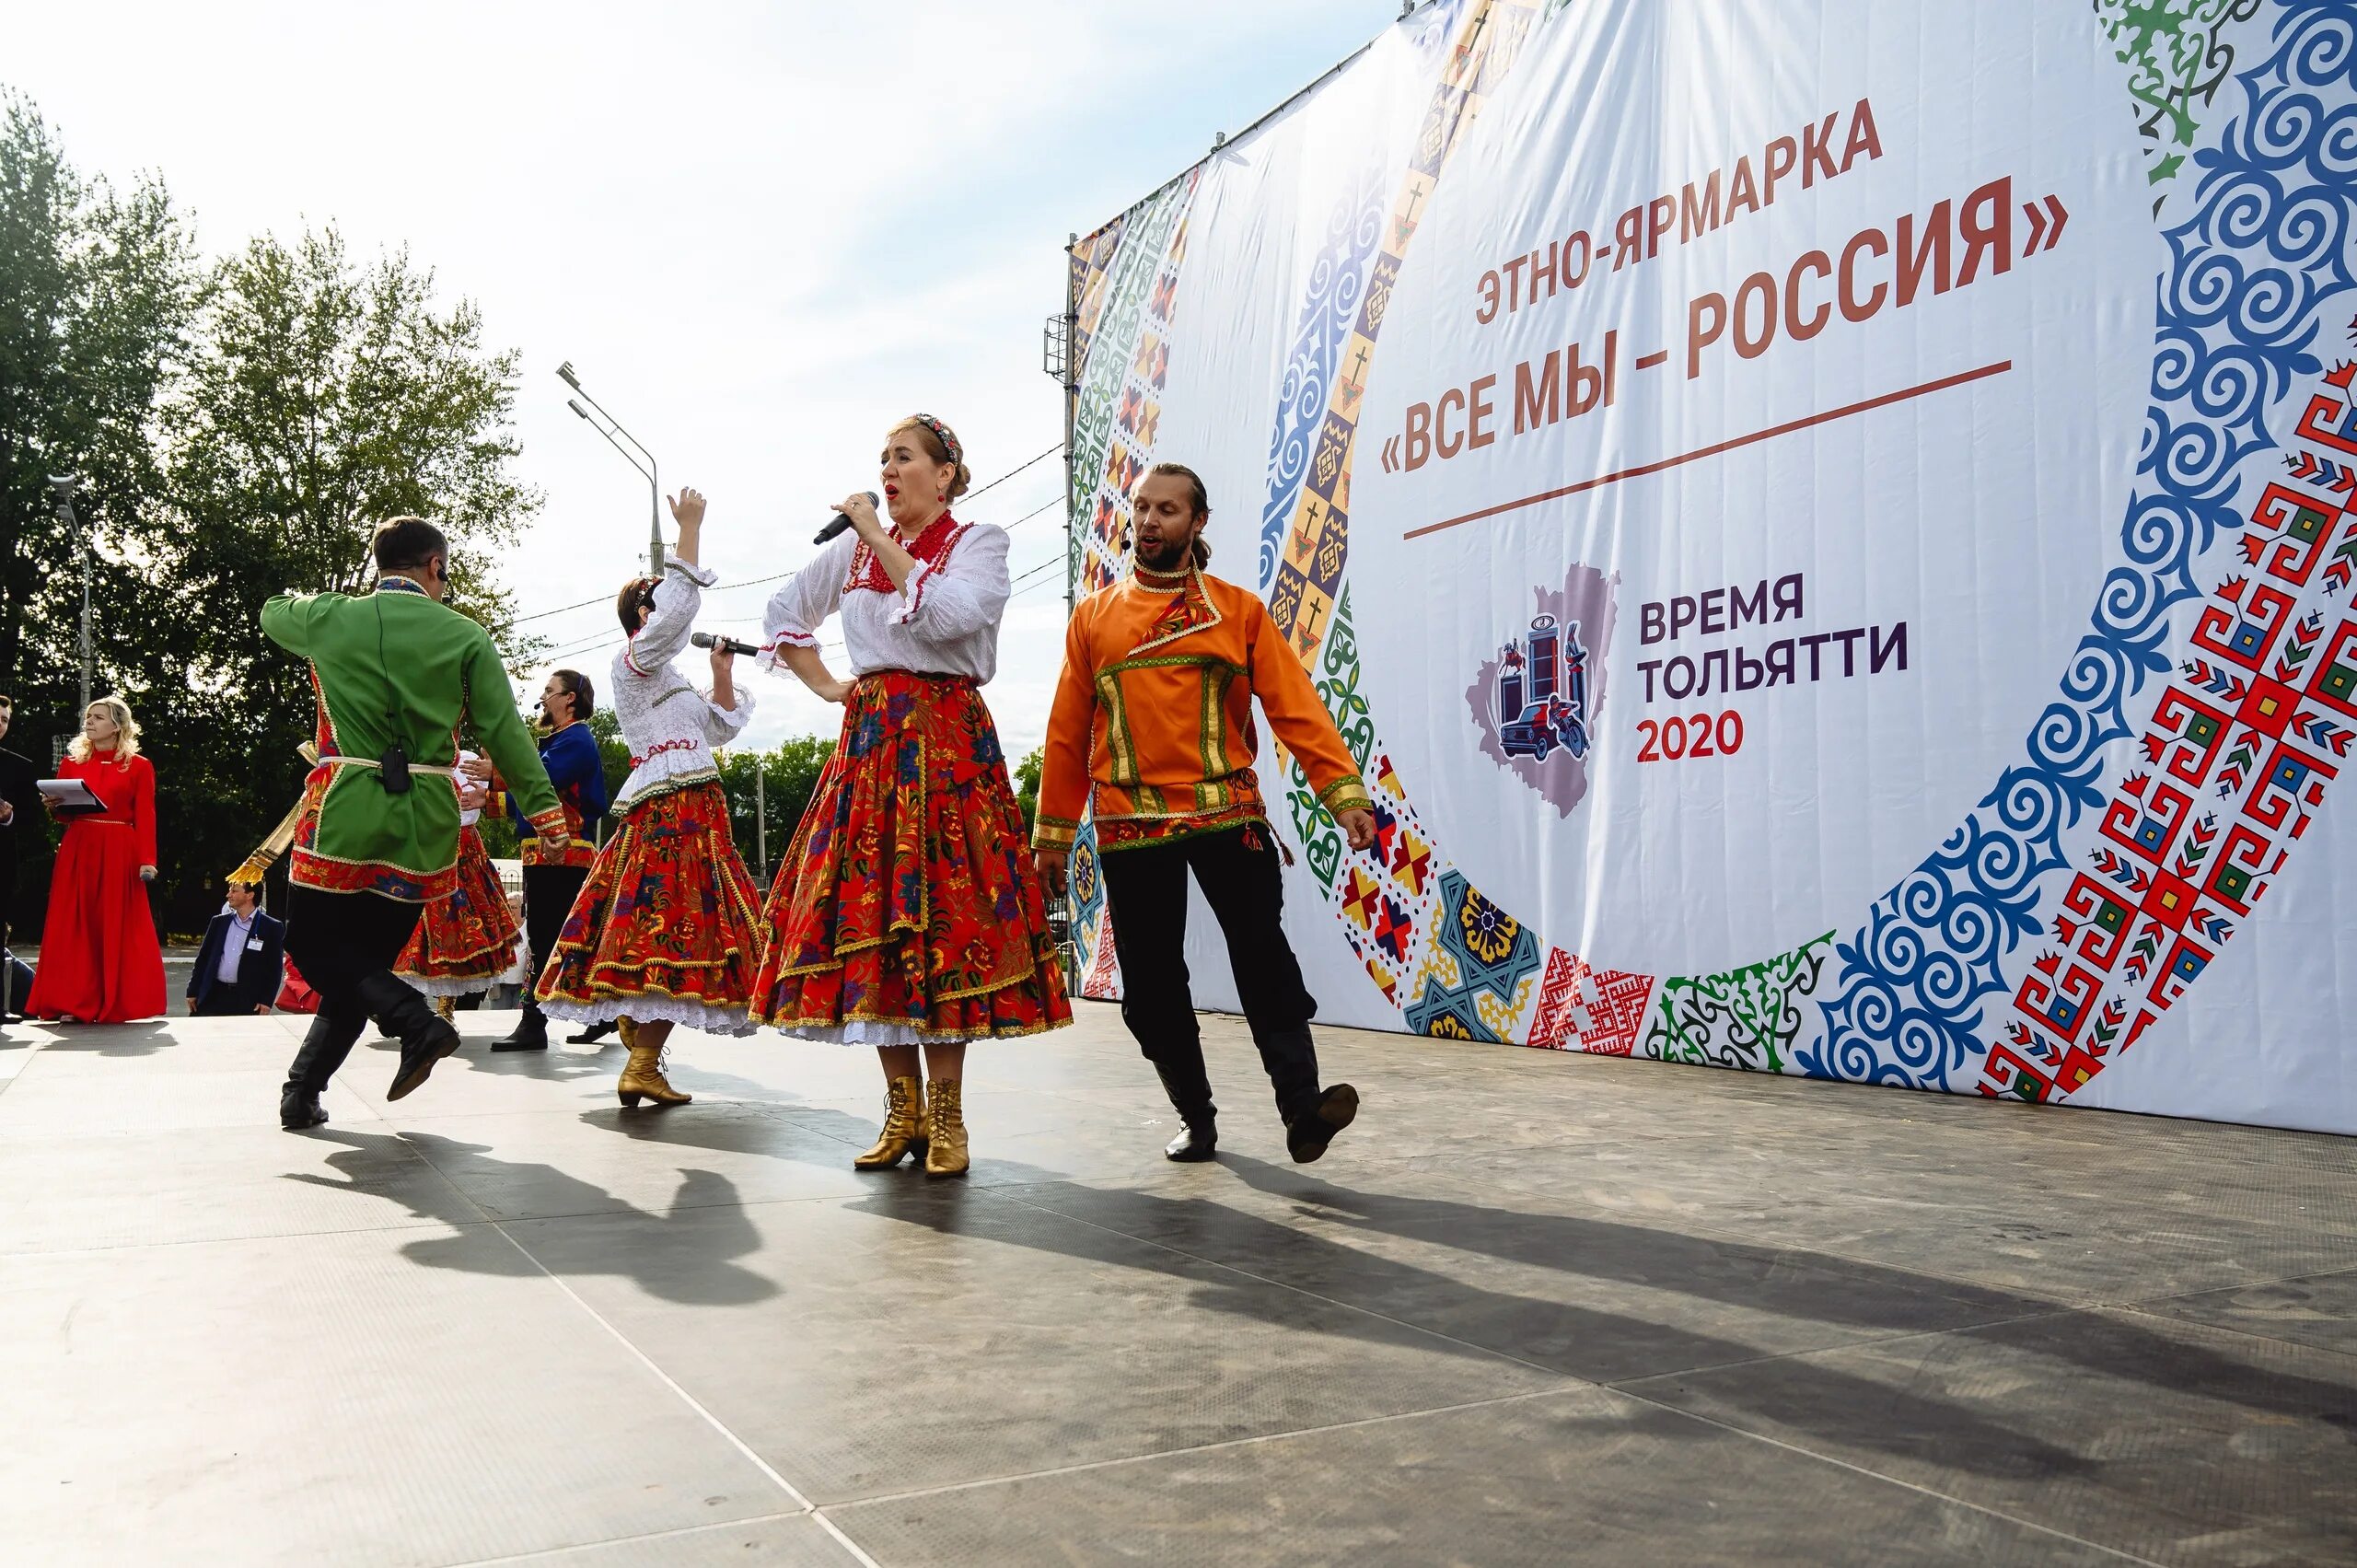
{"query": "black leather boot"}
[(427, 1037), (531, 1032), (589, 1035), (324, 1047), (1307, 1134), (1196, 1141), (1191, 1097)]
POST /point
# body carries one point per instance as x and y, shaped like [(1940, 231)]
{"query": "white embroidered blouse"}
[(944, 621), (670, 726)]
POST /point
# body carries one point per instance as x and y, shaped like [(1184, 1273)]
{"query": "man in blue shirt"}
[(238, 970), (553, 877)]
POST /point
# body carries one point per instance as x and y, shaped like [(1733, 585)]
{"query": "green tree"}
[(789, 778), (238, 430), (321, 396), (98, 291), (1027, 786)]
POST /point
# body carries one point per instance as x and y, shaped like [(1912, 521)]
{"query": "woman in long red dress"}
[(99, 961)]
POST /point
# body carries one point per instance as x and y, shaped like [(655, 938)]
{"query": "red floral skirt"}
[(906, 910), (465, 942), (663, 928)]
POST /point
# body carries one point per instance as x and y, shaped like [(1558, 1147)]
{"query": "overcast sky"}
[(760, 233)]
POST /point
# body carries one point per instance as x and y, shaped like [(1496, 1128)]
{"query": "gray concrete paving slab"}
[(364, 1398), (207, 1184), (1579, 1477), (2171, 1440), (1531, 1309), (932, 1333), (1546, 1279), (793, 1540), (2321, 1311)]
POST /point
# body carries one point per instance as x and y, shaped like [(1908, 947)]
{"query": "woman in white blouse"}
[(907, 915), (664, 930)]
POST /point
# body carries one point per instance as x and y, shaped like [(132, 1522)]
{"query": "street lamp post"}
[(648, 468)]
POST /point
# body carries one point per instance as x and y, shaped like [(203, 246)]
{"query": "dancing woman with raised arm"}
[(906, 914), (664, 930)]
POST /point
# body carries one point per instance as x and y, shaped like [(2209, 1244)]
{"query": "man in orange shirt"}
[(1153, 727)]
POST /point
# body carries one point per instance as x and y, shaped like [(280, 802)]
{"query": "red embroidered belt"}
[(656, 750)]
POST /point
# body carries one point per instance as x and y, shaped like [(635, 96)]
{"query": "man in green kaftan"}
[(396, 673)]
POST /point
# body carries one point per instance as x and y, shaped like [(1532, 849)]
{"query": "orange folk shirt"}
[(1153, 727)]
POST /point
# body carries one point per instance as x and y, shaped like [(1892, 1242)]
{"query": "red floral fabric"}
[(471, 935), (668, 911), (907, 896)]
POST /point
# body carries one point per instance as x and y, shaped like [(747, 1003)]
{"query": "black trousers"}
[(224, 1001), (21, 982), (549, 892), (337, 940), (1145, 888)]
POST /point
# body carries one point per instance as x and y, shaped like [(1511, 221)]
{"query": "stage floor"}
[(1533, 1308)]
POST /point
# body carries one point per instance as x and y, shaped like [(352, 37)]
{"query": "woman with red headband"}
[(907, 915)]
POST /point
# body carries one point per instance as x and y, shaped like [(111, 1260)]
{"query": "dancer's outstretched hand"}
[(687, 508)]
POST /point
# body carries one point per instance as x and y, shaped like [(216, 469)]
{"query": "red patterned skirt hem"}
[(908, 899), (665, 925), (465, 942)]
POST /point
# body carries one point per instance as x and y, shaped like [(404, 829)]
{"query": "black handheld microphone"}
[(706, 639), (843, 519)]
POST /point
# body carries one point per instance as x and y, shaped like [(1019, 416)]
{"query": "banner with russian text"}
[(1829, 527)]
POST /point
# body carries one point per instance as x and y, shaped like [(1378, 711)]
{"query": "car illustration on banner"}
[(1542, 691)]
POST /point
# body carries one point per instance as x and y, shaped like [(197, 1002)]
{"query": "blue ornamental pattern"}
[(1495, 953), (2241, 301), (1337, 285), (1337, 280)]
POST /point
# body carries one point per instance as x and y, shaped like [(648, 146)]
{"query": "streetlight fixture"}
[(609, 428)]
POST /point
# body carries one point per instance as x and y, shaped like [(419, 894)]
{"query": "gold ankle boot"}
[(905, 1124), (445, 1008), (627, 1029), (644, 1076), (947, 1155)]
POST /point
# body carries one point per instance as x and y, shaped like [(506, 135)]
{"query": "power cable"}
[(756, 582)]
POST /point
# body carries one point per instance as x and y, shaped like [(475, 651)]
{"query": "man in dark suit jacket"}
[(238, 970), (20, 815)]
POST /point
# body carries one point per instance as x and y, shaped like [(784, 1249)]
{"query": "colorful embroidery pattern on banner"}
[(1127, 277), (2077, 902)]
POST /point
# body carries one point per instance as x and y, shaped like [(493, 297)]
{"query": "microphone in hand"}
[(706, 639), (843, 519)]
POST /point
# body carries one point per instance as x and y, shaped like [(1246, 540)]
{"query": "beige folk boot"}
[(643, 1077), (904, 1125), (947, 1155)]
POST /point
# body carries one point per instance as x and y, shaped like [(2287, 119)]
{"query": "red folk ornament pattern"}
[(2237, 757)]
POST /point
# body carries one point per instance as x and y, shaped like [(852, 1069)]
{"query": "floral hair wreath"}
[(948, 437)]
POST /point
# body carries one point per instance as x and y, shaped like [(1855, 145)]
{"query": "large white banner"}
[(1824, 523)]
